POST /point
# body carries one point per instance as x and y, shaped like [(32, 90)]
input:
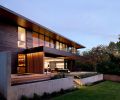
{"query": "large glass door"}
[(21, 63)]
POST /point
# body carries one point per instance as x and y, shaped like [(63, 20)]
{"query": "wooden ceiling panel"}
[(17, 19)]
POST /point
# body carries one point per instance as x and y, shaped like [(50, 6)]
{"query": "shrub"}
[(54, 94), (2, 97), (36, 97), (80, 66), (62, 91), (24, 98), (108, 67), (47, 96)]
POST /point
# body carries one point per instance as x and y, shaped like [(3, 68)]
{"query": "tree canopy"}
[(103, 56)]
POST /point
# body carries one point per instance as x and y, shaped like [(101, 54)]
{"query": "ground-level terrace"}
[(13, 86), (40, 64)]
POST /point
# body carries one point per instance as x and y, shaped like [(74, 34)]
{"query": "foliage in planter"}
[(85, 75), (58, 76)]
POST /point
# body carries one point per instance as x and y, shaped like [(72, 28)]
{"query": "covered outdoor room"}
[(38, 66), (30, 69), (41, 63)]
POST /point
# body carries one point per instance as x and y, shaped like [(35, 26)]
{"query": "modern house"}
[(34, 48)]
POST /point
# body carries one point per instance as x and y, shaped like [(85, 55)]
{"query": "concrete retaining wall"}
[(89, 80), (5, 71), (15, 92), (41, 87)]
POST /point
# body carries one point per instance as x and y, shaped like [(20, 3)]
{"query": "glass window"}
[(21, 63), (64, 47), (73, 50), (46, 41), (41, 39), (51, 43), (21, 59), (69, 49), (57, 45), (35, 39), (21, 37), (61, 48)]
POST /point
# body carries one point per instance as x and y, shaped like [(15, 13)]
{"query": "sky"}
[(88, 22)]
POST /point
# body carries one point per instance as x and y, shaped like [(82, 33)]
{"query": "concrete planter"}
[(89, 80), (40, 87)]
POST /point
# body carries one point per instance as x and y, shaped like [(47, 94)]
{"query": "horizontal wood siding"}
[(35, 62), (8, 42), (8, 37)]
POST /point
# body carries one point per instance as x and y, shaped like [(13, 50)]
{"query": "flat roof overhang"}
[(7, 15), (52, 52)]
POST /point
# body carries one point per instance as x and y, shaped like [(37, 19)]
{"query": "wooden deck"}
[(17, 79)]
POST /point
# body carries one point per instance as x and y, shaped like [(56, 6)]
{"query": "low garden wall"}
[(89, 80), (115, 78), (41, 87)]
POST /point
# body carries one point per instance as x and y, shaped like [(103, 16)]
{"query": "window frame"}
[(19, 37)]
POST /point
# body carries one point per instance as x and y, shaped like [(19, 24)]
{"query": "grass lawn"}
[(103, 91)]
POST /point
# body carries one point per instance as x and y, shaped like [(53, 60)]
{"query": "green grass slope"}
[(103, 91)]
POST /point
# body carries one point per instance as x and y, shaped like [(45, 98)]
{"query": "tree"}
[(96, 55), (101, 54), (112, 48)]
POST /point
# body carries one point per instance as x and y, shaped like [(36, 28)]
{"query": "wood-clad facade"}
[(35, 62), (39, 42)]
